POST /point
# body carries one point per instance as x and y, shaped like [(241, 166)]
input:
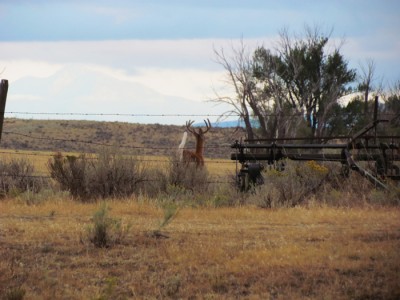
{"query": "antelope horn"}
[(208, 125), (188, 126)]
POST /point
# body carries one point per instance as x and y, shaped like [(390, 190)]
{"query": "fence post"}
[(3, 97)]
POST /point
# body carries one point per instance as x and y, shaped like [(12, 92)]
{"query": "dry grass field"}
[(39, 159), (91, 136), (337, 244), (204, 253)]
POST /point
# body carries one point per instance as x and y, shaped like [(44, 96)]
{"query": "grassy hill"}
[(90, 136)]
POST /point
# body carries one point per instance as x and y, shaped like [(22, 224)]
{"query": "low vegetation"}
[(108, 174), (112, 225), (17, 176), (105, 230), (308, 252), (111, 175)]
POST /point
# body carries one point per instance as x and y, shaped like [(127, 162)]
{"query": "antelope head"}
[(200, 133)]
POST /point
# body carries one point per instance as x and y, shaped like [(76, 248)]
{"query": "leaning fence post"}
[(3, 97)]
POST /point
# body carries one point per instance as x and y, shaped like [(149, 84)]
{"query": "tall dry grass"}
[(305, 234), (223, 253)]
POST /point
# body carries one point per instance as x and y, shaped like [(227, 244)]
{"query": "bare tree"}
[(366, 80), (239, 76), (258, 93)]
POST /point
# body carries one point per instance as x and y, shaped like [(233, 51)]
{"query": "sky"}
[(137, 61)]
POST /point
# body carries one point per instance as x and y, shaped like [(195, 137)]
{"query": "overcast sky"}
[(167, 46)]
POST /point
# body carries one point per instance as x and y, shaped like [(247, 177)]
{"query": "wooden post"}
[(3, 97), (376, 107)]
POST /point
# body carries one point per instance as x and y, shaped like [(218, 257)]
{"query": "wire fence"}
[(216, 180), (92, 156), (141, 150), (231, 114), (226, 147), (112, 114), (138, 159), (105, 144)]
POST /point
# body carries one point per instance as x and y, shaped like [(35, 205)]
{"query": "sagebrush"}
[(18, 176), (108, 174)]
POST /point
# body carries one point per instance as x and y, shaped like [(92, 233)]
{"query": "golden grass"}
[(225, 253), (39, 159)]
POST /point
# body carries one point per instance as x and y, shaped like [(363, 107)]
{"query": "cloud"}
[(192, 84), (185, 68), (131, 57), (125, 54), (120, 54), (15, 69), (384, 51), (24, 97)]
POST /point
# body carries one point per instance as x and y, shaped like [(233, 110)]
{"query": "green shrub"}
[(15, 294), (171, 286), (170, 212), (105, 231)]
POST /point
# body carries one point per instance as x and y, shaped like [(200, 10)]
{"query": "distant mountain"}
[(228, 124), (83, 90)]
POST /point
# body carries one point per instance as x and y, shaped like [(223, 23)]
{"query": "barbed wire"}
[(230, 114), (108, 145), (139, 159), (42, 176), (46, 176), (69, 140), (89, 142), (114, 114)]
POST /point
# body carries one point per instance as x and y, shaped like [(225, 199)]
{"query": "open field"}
[(224, 253), (39, 159), (91, 137), (338, 242)]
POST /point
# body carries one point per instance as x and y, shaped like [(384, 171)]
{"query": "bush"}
[(108, 175), (15, 294), (105, 231), (18, 176), (170, 212), (155, 184), (187, 175), (69, 172), (311, 183), (290, 187)]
